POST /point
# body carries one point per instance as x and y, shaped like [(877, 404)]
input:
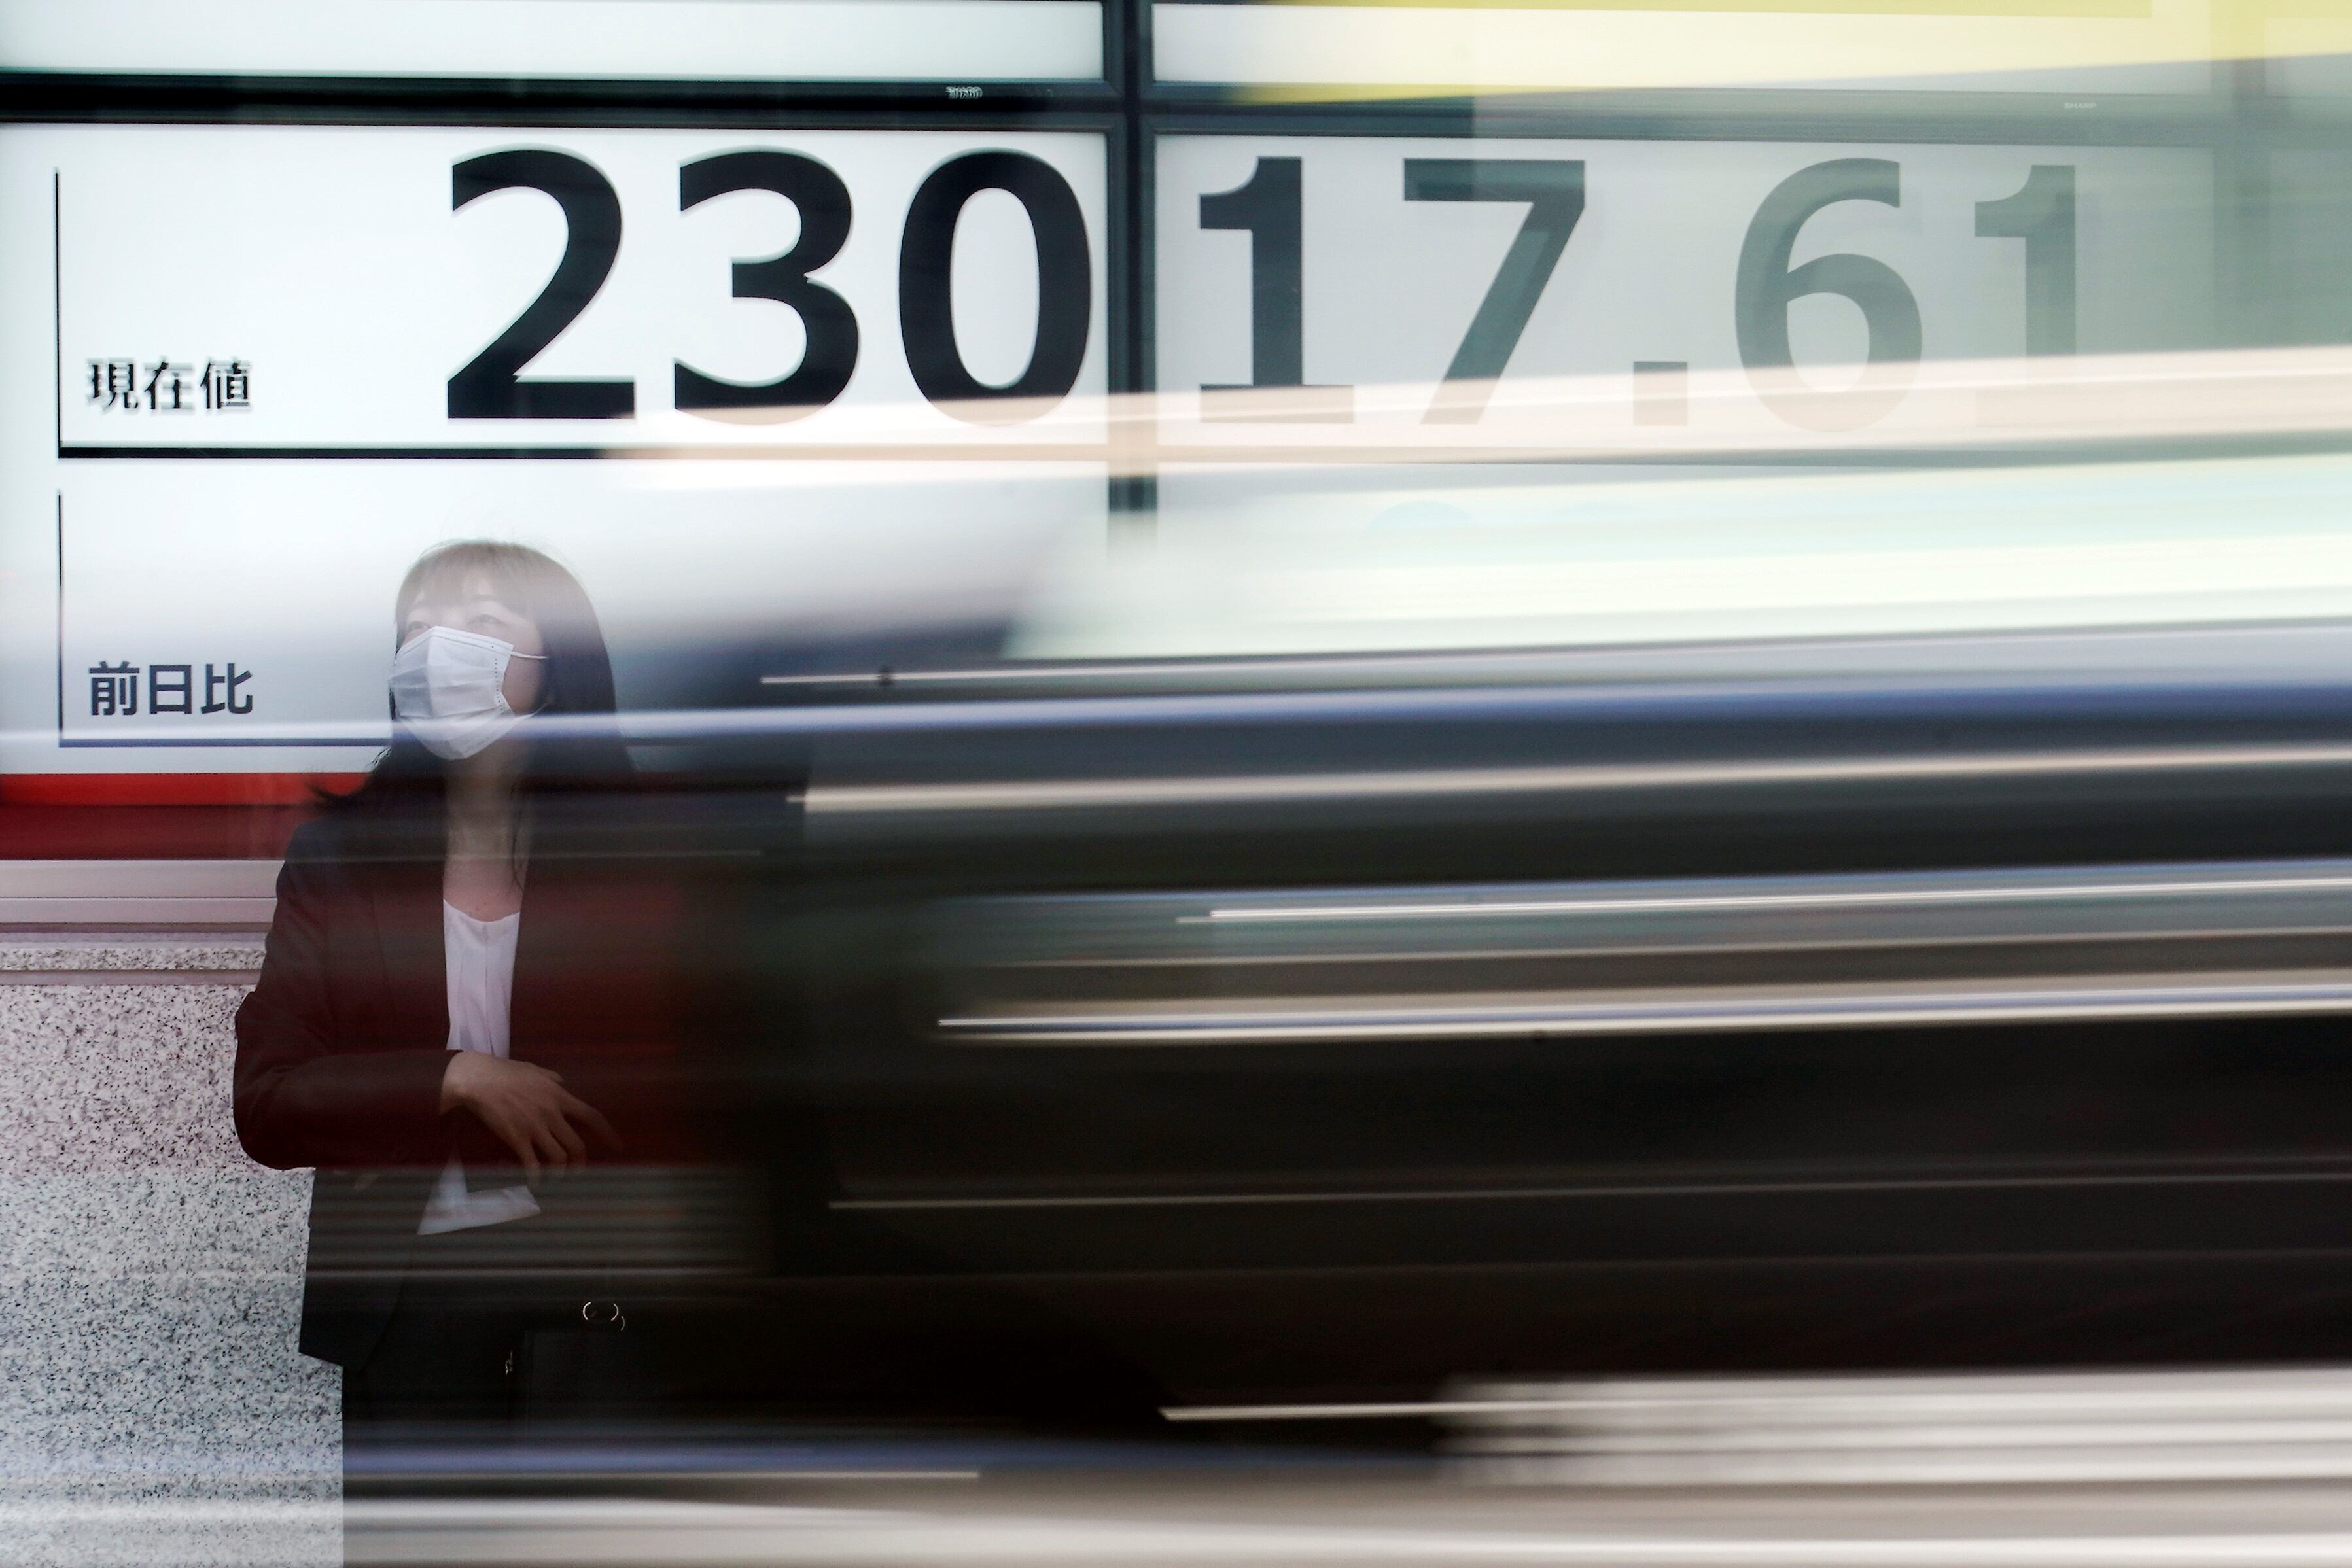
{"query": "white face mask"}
[(449, 688)]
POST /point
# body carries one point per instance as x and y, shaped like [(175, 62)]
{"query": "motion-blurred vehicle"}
[(1866, 922)]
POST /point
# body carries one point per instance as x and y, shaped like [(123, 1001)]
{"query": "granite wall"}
[(153, 1408)]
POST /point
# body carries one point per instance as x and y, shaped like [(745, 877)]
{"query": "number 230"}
[(490, 385)]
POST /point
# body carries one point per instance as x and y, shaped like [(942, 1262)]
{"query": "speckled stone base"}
[(152, 1273)]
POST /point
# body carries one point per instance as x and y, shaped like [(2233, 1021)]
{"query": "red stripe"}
[(171, 789)]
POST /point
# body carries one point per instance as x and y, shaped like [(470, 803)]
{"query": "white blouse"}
[(481, 954)]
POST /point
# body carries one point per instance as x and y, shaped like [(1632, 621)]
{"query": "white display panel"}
[(256, 599), (1421, 294), (312, 293), (636, 40), (367, 277), (2090, 47)]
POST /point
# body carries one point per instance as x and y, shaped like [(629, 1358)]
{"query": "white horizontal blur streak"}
[(609, 1530), (1955, 406), (1433, 783), (2291, 1423), (1844, 951), (1945, 1471), (632, 1533), (2030, 495), (1777, 901)]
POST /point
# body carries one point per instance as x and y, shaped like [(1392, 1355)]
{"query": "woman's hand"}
[(527, 1108)]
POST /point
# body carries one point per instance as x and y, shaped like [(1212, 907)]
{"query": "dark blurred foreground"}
[(1146, 1063)]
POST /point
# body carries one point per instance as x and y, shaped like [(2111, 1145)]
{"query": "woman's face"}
[(476, 607)]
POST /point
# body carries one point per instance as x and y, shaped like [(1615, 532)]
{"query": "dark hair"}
[(576, 680)]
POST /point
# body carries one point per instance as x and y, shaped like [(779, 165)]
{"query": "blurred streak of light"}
[(2006, 409), (1451, 561), (1271, 788), (618, 1531), (2293, 1423), (913, 1539), (1766, 901), (1690, 1010), (1537, 1195), (2125, 656), (1933, 948), (847, 799), (2036, 1470)]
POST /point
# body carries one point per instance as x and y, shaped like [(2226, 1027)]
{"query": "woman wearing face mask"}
[(459, 997)]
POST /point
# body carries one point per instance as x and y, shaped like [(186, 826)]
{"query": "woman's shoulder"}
[(319, 860), (349, 837), (326, 841)]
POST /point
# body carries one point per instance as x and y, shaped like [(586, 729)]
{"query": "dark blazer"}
[(343, 1042)]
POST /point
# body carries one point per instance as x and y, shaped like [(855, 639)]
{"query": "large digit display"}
[(622, 289), (751, 383), (1666, 296)]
